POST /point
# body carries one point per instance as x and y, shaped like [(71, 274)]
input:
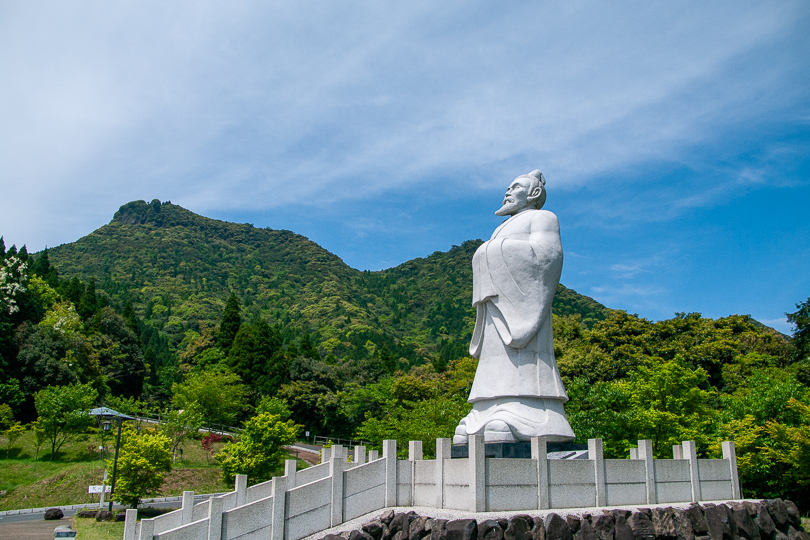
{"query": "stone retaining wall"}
[(772, 519)]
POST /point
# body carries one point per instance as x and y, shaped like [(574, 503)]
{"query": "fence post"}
[(690, 453), (596, 454), (478, 473), (677, 452), (390, 457), (326, 455), (147, 529), (290, 468), (336, 466), (187, 507), (414, 455), (540, 455), (634, 453), (645, 452), (241, 489), (730, 454), (360, 455), (442, 453), (129, 524), (373, 455), (215, 517), (279, 500)]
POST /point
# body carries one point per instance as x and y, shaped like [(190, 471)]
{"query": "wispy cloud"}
[(259, 105)]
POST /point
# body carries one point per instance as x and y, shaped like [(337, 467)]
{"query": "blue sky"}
[(674, 137)]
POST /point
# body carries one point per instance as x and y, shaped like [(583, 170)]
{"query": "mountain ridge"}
[(177, 268)]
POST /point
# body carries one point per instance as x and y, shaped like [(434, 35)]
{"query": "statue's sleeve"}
[(524, 274)]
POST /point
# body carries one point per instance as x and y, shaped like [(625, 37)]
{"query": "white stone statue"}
[(517, 392)]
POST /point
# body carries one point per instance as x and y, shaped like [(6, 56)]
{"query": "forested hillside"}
[(177, 269), (165, 310)]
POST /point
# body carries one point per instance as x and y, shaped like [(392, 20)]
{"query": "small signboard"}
[(97, 489)]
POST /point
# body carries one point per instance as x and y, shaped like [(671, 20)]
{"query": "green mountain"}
[(177, 269)]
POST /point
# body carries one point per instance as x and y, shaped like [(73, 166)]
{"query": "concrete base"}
[(515, 449)]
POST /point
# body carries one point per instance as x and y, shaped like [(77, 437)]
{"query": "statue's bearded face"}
[(517, 196)]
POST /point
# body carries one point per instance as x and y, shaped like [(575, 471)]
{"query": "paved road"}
[(32, 530)]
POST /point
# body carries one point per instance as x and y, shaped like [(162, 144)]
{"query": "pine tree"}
[(2, 247), (131, 318), (73, 290), (307, 348), (230, 323), (42, 267), (88, 302)]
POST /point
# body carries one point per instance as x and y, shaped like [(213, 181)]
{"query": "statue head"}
[(526, 192)]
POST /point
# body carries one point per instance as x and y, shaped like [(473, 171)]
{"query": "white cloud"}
[(255, 105)]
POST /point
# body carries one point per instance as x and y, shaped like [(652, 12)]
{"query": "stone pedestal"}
[(515, 450)]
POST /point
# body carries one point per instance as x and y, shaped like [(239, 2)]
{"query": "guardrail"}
[(323, 440)]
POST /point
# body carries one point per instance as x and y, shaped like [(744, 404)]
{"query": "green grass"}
[(35, 483), (90, 529)]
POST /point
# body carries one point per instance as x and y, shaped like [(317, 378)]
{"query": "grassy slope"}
[(34, 484), (90, 529)]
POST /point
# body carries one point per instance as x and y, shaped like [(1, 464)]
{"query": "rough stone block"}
[(718, 521), (746, 527), (519, 528), (102, 515), (556, 527), (461, 529), (663, 520), (794, 517), (585, 531), (438, 529), (418, 528), (490, 530), (792, 533), (387, 516), (642, 526), (698, 520), (764, 522), (622, 530), (604, 526), (360, 535), (752, 508), (574, 522), (373, 528), (86, 513), (54, 513), (538, 529), (683, 526), (778, 510), (401, 522)]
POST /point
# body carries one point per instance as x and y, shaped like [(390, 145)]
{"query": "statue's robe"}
[(515, 276)]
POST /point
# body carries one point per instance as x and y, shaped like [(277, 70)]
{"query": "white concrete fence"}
[(302, 503)]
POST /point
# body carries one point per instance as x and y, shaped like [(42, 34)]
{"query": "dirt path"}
[(313, 458)]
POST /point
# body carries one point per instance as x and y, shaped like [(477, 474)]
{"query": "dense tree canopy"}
[(165, 310)]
